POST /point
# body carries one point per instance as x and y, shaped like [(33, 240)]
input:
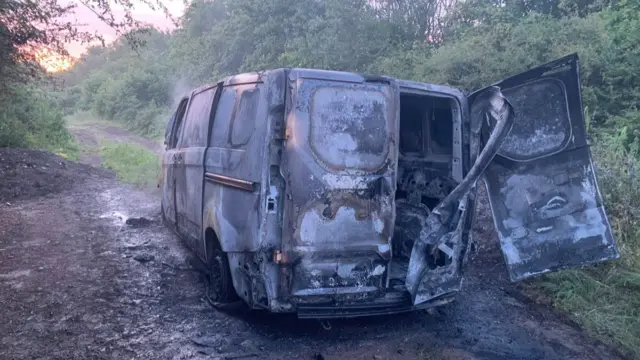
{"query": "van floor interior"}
[(424, 173)]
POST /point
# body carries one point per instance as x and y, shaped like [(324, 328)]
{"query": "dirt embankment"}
[(31, 173), (76, 282)]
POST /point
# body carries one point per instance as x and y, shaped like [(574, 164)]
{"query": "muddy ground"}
[(76, 282)]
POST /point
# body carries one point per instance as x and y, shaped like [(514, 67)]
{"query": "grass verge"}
[(153, 130), (605, 298), (28, 119), (132, 163)]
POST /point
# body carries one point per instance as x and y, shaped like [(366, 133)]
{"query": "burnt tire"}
[(219, 289)]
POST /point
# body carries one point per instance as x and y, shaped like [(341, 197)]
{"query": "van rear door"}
[(542, 187), (540, 178), (340, 163)]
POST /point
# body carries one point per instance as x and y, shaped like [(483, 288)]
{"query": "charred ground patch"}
[(73, 285)]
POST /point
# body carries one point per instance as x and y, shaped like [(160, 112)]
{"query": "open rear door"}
[(545, 200)]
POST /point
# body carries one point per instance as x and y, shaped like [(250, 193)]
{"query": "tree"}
[(28, 27)]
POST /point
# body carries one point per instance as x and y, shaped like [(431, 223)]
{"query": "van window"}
[(349, 127), (244, 120), (175, 124), (224, 112), (196, 123), (172, 121), (543, 126)]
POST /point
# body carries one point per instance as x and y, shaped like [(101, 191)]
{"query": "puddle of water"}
[(113, 201), (15, 274), (117, 217)]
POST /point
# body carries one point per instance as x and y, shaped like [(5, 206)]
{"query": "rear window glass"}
[(196, 123), (245, 116), (224, 112), (542, 125), (349, 127)]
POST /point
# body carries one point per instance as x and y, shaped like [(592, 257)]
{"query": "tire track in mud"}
[(77, 282)]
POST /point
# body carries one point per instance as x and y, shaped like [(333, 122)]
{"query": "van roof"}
[(303, 73)]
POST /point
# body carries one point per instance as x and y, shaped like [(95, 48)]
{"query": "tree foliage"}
[(30, 28), (466, 44)]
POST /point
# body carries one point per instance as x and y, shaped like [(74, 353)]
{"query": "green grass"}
[(153, 130), (32, 121), (83, 119), (132, 163), (605, 298)]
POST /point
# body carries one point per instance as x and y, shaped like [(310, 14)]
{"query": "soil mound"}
[(27, 173)]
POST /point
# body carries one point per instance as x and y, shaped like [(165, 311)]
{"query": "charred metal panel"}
[(328, 75), (441, 235), (234, 213), (242, 195), (549, 216), (273, 192), (339, 164), (168, 186), (169, 157), (189, 195), (189, 173), (542, 187)]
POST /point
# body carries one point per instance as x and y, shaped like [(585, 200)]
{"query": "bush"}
[(30, 119)]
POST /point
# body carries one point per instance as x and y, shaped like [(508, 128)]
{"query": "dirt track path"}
[(76, 282), (90, 134)]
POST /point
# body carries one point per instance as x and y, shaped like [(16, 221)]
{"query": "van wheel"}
[(220, 288)]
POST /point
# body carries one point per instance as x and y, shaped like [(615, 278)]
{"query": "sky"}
[(141, 12), (90, 22)]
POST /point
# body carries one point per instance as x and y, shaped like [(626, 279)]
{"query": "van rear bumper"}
[(391, 303)]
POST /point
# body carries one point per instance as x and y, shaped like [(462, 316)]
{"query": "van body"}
[(333, 194)]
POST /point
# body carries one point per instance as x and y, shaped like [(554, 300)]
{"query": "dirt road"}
[(77, 282), (90, 135)]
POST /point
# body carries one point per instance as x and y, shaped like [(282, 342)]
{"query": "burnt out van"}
[(334, 194)]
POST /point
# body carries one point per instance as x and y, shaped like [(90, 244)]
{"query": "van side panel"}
[(243, 189), (234, 165)]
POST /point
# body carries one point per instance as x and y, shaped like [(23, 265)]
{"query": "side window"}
[(243, 123), (176, 124), (167, 133), (235, 118), (196, 122), (224, 112)]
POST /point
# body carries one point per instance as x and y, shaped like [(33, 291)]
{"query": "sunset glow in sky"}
[(54, 62)]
